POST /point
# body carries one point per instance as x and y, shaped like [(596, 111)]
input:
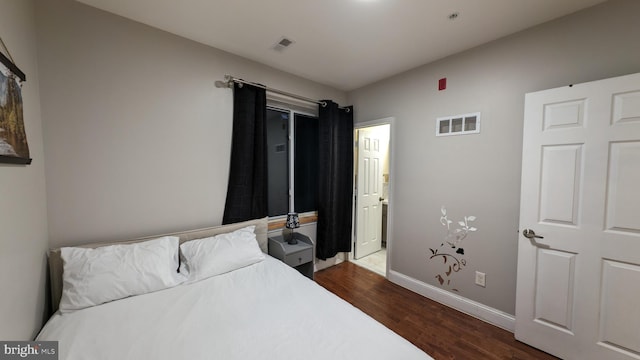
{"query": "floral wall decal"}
[(450, 251)]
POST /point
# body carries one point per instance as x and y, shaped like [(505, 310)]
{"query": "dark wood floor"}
[(438, 330)]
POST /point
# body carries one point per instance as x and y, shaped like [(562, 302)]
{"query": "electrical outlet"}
[(480, 278)]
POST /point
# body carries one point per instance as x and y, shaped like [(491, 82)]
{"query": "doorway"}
[(372, 169)]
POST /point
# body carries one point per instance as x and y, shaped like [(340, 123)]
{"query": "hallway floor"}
[(376, 262)]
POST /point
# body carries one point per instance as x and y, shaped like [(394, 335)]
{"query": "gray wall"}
[(480, 174), (23, 217), (137, 137)]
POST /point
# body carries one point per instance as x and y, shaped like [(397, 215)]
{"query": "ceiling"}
[(345, 44)]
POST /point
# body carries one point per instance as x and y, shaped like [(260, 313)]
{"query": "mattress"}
[(263, 311)]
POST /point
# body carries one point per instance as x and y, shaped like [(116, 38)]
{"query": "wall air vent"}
[(458, 124)]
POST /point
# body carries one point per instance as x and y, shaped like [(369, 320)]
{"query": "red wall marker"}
[(442, 84)]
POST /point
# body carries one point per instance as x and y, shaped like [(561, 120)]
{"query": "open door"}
[(373, 144), (579, 245)]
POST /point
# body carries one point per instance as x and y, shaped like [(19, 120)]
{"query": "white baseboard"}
[(460, 303)]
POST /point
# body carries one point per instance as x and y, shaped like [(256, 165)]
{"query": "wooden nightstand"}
[(299, 256)]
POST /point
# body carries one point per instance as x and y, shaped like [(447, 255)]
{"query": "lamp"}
[(293, 222)]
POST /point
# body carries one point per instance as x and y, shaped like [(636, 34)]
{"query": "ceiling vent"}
[(283, 44)]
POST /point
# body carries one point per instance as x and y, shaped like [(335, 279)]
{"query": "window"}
[(292, 160)]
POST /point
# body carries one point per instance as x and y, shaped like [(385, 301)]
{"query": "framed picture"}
[(13, 138)]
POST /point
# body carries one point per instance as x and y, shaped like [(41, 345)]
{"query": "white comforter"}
[(263, 311)]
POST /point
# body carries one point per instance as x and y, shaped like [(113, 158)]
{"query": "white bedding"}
[(263, 311)]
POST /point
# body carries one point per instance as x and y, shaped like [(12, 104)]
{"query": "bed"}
[(265, 310)]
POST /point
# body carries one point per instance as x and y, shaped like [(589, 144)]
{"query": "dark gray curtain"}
[(247, 189), (335, 173)]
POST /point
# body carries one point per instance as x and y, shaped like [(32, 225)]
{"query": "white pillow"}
[(220, 254), (95, 276)]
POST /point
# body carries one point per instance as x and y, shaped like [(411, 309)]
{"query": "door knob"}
[(381, 199), (530, 234)]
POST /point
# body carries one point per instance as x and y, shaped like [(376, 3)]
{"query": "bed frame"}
[(56, 265)]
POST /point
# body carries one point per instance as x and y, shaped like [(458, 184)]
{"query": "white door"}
[(373, 143), (578, 291)]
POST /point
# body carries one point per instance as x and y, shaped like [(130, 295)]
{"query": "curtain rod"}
[(228, 80)]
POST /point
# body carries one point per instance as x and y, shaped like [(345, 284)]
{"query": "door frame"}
[(390, 191)]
